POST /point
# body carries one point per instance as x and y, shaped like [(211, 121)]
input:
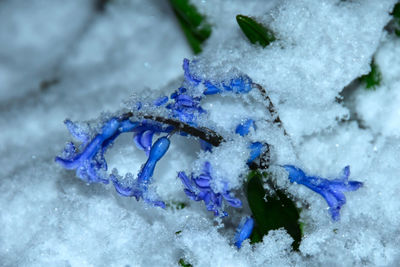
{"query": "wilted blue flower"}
[(331, 190), (243, 231), (199, 188), (90, 164), (139, 187)]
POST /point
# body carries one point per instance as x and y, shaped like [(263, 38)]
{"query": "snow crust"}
[(103, 61)]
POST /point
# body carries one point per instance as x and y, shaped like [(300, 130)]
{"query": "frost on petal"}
[(199, 189), (161, 101), (243, 231), (243, 129), (139, 188), (189, 77), (79, 133), (89, 163), (330, 190)]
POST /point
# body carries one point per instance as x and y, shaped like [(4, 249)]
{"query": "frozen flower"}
[(243, 231), (239, 85), (256, 148), (243, 129), (90, 164), (185, 107), (79, 133), (331, 190), (145, 132), (161, 101), (205, 146), (139, 188), (199, 188)]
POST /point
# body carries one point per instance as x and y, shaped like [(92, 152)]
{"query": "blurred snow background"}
[(75, 59)]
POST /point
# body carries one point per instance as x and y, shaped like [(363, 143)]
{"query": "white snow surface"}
[(93, 62)]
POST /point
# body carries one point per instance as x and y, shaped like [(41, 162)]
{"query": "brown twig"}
[(203, 133)]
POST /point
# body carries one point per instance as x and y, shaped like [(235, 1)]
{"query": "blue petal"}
[(256, 149), (241, 85), (211, 89), (77, 132), (125, 191), (207, 168), (331, 190), (205, 145), (161, 101), (199, 189), (243, 231), (201, 182), (146, 139), (188, 76), (243, 129), (90, 164), (295, 174), (137, 139), (185, 181), (185, 100), (345, 173), (234, 202)]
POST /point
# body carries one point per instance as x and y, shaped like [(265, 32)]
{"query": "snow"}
[(98, 63)]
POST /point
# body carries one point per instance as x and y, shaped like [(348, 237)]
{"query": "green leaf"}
[(271, 211), (372, 79), (254, 31), (176, 205), (184, 264), (396, 11), (396, 19), (193, 24)]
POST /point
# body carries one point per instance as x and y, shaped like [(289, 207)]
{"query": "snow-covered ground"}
[(67, 59)]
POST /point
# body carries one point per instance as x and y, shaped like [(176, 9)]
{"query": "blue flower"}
[(243, 231), (256, 148), (238, 85), (145, 132), (139, 188), (331, 190), (185, 107), (90, 164), (199, 189)]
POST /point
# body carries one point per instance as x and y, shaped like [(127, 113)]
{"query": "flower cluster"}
[(331, 190), (200, 189), (183, 110), (185, 107)]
